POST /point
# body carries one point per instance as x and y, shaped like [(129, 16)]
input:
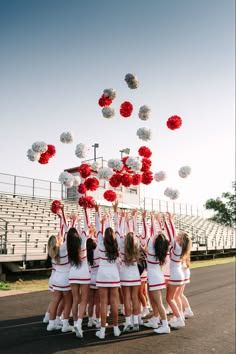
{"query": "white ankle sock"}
[(102, 329), (164, 323), (135, 319), (128, 320), (79, 322), (65, 322)]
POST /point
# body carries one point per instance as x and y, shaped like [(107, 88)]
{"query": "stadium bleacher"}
[(26, 223)]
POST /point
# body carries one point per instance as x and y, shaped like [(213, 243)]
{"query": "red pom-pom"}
[(51, 150), (126, 180), (147, 177), (82, 188), (87, 202), (174, 122), (104, 101), (146, 164), (126, 109), (44, 158), (110, 196), (145, 152), (92, 183), (136, 179), (115, 180), (56, 206), (84, 170)]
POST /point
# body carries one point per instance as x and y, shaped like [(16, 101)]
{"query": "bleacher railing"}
[(3, 236)]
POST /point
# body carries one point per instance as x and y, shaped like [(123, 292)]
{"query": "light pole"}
[(124, 151), (95, 146)]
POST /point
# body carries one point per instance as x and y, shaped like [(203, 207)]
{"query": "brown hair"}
[(73, 246), (161, 245), (131, 249), (53, 248), (186, 248), (111, 245)]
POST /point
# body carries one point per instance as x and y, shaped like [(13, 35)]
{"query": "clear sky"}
[(57, 56)]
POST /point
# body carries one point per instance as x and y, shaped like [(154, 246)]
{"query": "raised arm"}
[(144, 235), (169, 230)]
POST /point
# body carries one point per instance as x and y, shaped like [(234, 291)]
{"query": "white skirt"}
[(93, 275), (80, 274), (156, 279), (144, 276), (176, 273), (129, 275), (61, 281), (186, 275), (108, 276)]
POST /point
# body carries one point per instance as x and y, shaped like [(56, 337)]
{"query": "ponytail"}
[(161, 245), (131, 249), (111, 245), (73, 246)]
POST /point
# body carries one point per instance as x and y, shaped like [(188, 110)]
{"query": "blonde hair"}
[(131, 249), (186, 248), (53, 248)]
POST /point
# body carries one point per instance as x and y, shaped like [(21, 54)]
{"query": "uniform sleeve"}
[(98, 224), (169, 234)]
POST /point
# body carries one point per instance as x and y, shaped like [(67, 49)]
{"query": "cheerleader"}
[(79, 276), (129, 272), (188, 313), (181, 245), (157, 250), (108, 279), (61, 286)]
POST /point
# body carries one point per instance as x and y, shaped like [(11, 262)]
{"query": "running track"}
[(212, 296)]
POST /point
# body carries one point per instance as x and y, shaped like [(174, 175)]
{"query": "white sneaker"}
[(46, 318), (162, 330), (188, 313), (98, 323), (67, 328), (90, 323), (53, 327), (151, 323), (145, 312), (116, 331), (178, 323), (59, 322), (100, 335), (172, 319), (135, 327), (78, 331), (127, 328)]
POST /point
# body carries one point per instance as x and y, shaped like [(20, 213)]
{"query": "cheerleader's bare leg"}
[(76, 298), (114, 299), (103, 293), (171, 291), (84, 288)]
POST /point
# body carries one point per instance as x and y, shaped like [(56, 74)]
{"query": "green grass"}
[(212, 262), (4, 286)]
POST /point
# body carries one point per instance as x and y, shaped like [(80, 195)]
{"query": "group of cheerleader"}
[(100, 269)]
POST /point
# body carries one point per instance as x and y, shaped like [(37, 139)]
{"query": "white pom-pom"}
[(115, 164), (32, 155), (132, 81), (104, 173), (108, 112), (144, 112), (94, 166), (66, 138), (111, 93), (144, 134), (39, 146), (133, 163), (184, 171), (81, 151), (77, 181), (171, 193), (160, 176), (67, 179)]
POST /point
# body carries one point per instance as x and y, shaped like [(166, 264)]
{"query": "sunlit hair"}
[(111, 245), (73, 246), (161, 245), (92, 230), (90, 245), (53, 248), (131, 249), (186, 248)]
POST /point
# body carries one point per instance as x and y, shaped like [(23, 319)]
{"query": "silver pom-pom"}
[(133, 163), (39, 146), (32, 155), (108, 112), (111, 93), (81, 151), (144, 112), (184, 171), (132, 81), (67, 179), (104, 173), (115, 164), (171, 193), (77, 181), (144, 134), (66, 138), (160, 176)]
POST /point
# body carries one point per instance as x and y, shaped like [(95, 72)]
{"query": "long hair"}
[(53, 248), (73, 246), (90, 245), (186, 248), (111, 245), (161, 245), (131, 249)]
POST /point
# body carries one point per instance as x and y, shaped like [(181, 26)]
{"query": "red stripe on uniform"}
[(179, 281), (130, 281), (175, 261), (108, 282), (80, 279), (153, 262), (156, 285), (60, 286)]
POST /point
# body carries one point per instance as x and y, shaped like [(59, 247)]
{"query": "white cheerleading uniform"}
[(108, 273), (94, 268), (176, 270), (187, 273), (156, 279), (129, 273), (62, 268)]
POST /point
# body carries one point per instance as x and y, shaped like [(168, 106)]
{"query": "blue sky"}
[(58, 56)]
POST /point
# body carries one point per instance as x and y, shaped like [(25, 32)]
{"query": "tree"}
[(224, 207)]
